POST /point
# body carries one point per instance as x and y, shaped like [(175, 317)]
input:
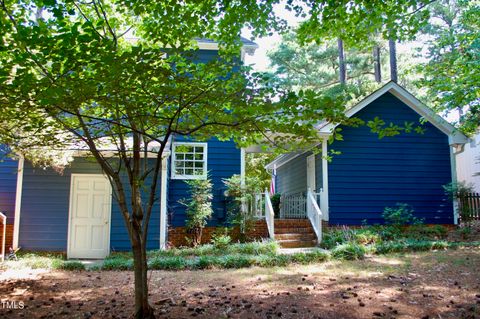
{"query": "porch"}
[(297, 222)]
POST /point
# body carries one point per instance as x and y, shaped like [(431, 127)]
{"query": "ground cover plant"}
[(338, 244)]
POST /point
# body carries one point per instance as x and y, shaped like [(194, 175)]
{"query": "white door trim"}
[(311, 173), (70, 208)]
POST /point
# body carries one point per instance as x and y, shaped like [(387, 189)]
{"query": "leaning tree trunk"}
[(393, 60), (376, 64), (341, 62)]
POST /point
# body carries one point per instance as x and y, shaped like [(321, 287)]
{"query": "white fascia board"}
[(249, 48), (87, 153)]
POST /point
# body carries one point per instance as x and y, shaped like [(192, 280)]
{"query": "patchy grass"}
[(42, 260), (433, 284)]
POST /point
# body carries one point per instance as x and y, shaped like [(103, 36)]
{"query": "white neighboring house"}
[(468, 163)]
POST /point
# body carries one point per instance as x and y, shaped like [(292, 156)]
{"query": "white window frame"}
[(174, 159)]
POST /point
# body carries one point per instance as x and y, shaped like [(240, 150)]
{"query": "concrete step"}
[(295, 236), (297, 243)]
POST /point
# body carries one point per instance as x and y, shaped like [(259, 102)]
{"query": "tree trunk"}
[(196, 236), (376, 64), (393, 60), (143, 310), (341, 62)]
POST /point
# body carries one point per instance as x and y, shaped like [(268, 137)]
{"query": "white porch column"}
[(18, 202), (242, 176), (163, 205), (242, 166), (324, 206), (453, 166)]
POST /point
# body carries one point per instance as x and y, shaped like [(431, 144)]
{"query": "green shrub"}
[(205, 262), (68, 265), (167, 263), (254, 248), (279, 260), (221, 239), (390, 232), (455, 189), (310, 257), (275, 200), (332, 238), (236, 261), (117, 263), (400, 215), (426, 232), (199, 208), (464, 232), (367, 236), (410, 245), (349, 251), (239, 193)]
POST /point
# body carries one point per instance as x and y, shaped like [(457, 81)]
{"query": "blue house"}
[(368, 173), (74, 211)]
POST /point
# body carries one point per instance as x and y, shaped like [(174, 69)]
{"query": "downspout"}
[(18, 202), (453, 166)]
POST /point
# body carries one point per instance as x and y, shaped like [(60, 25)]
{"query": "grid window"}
[(189, 160)]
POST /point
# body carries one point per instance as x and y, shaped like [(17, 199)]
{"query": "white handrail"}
[(269, 215), (4, 236), (314, 214)]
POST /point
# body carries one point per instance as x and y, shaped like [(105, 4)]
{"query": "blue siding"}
[(45, 205), (8, 184), (373, 173), (223, 162), (292, 177)]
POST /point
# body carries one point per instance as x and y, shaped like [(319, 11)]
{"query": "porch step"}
[(295, 236), (294, 230), (281, 223), (294, 233), (297, 243)]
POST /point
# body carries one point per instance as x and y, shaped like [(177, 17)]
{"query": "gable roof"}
[(454, 135)]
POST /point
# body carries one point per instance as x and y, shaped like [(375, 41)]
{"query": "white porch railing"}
[(4, 233), (293, 205), (314, 214), (269, 215)]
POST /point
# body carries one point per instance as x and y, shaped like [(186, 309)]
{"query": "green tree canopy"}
[(452, 72)]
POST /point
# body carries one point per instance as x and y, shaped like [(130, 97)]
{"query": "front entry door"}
[(311, 173), (89, 223)]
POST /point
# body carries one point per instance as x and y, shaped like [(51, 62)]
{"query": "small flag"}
[(272, 181)]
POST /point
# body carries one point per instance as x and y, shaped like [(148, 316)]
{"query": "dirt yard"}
[(442, 284)]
